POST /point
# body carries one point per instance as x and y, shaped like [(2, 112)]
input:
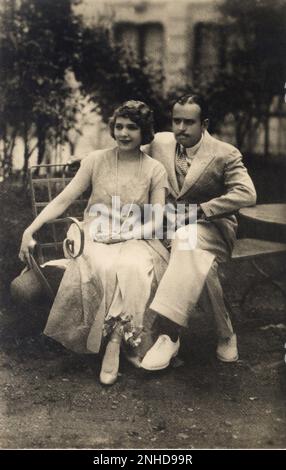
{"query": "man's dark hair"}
[(195, 98), (138, 112)]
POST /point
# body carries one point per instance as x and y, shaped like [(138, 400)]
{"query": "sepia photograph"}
[(142, 227)]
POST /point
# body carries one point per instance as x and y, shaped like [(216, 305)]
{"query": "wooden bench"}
[(266, 221), (252, 248), (46, 181)]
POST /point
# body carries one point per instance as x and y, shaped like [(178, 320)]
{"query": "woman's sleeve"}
[(83, 177), (159, 178), (86, 166), (80, 182)]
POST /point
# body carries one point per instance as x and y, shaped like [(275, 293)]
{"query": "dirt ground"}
[(52, 398)]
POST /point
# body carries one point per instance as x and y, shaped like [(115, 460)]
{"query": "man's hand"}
[(191, 217), (200, 213)]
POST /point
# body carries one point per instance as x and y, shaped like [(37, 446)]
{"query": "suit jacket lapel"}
[(199, 164)]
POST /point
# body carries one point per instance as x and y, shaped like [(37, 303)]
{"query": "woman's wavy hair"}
[(138, 112)]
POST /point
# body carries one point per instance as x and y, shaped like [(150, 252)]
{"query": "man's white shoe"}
[(227, 349), (161, 353)]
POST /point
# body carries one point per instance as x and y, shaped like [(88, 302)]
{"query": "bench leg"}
[(266, 278)]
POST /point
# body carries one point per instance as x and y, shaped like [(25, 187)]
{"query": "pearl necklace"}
[(116, 184)]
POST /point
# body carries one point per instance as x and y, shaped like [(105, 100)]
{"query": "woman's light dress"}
[(109, 282)]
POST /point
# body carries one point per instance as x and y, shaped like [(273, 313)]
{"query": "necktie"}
[(181, 160)]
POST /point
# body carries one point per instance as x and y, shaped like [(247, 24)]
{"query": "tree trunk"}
[(8, 147), (266, 137), (26, 151), (72, 147), (239, 137), (41, 135)]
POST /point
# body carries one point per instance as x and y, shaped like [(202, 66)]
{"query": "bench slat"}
[(252, 248)]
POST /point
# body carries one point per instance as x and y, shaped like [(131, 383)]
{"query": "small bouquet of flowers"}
[(124, 325)]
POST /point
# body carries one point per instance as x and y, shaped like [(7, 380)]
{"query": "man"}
[(204, 171)]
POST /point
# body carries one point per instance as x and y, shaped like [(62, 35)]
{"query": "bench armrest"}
[(68, 244)]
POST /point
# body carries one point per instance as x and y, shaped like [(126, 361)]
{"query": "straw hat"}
[(26, 287)]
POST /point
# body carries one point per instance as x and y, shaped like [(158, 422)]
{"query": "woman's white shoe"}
[(227, 349), (110, 363)]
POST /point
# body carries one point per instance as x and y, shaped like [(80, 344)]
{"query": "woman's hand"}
[(111, 238), (106, 238), (28, 242)]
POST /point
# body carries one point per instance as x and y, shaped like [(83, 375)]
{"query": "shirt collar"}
[(191, 151)]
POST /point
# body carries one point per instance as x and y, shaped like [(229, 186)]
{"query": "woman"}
[(106, 291)]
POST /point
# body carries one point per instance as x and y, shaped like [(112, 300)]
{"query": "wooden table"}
[(267, 213), (273, 215)]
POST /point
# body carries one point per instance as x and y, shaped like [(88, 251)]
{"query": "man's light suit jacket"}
[(217, 180)]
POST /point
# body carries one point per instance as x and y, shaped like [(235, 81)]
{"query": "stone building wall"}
[(166, 32), (176, 18), (170, 28)]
